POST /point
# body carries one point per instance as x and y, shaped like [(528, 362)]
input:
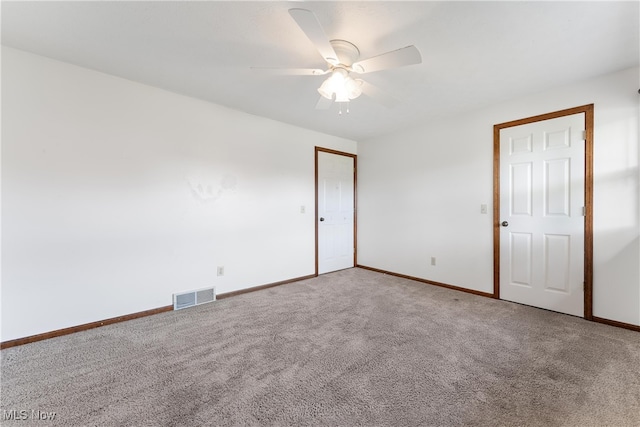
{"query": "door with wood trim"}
[(541, 216), (335, 205)]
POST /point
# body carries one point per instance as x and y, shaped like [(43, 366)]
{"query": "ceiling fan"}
[(343, 58)]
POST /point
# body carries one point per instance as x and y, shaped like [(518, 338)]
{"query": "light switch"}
[(483, 209)]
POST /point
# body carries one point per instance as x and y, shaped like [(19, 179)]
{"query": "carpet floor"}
[(350, 348)]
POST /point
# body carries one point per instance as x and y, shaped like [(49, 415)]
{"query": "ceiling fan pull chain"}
[(340, 108)]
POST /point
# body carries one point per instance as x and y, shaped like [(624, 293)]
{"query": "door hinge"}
[(584, 211), (584, 135)]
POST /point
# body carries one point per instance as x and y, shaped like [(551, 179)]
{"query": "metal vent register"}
[(191, 298)]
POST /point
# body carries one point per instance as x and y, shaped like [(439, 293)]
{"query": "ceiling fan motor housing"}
[(346, 51)]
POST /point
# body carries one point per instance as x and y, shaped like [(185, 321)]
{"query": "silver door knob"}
[(504, 224)]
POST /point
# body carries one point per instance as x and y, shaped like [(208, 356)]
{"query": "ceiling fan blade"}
[(324, 103), (310, 25), (291, 71), (409, 55), (379, 95)]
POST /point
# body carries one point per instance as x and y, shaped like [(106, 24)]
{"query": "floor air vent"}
[(191, 298)]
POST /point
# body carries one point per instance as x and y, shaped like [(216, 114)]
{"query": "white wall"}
[(116, 195), (420, 191)]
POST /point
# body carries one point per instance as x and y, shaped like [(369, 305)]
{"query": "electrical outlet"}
[(433, 260), (221, 270)]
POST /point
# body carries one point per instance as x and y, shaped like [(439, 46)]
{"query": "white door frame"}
[(588, 199), (355, 200)]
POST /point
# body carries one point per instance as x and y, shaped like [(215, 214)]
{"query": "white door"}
[(542, 214), (336, 205)]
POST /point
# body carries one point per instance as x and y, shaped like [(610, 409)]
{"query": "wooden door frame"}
[(588, 198), (355, 199)]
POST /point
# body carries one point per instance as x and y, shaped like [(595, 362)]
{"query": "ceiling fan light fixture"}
[(342, 85), (342, 96)]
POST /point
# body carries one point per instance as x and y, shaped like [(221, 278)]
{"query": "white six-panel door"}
[(336, 207), (541, 214)]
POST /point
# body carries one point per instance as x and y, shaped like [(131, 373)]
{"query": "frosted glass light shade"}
[(325, 89), (344, 87)]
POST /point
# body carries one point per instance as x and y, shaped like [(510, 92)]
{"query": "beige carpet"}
[(351, 348)]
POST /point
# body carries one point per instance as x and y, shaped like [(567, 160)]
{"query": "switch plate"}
[(433, 260), (303, 209), (483, 208), (221, 270)]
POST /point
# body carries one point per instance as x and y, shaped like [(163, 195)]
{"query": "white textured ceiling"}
[(474, 53)]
